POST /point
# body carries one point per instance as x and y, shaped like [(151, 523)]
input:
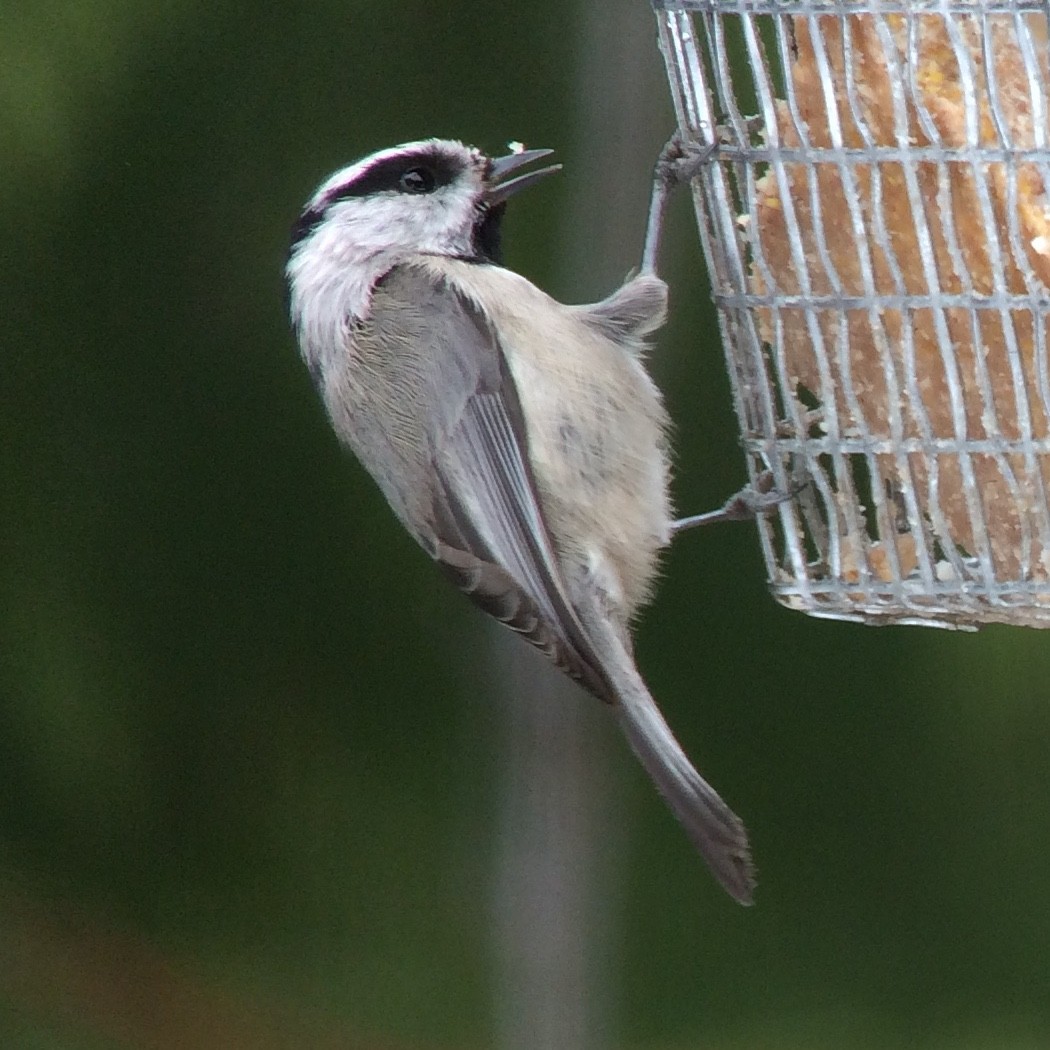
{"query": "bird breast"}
[(597, 433)]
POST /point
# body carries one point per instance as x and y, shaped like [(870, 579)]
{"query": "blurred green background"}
[(265, 779)]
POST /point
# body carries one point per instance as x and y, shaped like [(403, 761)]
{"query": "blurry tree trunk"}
[(557, 884)]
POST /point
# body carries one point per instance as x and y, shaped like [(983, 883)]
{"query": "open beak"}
[(500, 187)]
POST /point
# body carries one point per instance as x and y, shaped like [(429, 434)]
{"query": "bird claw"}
[(682, 159)]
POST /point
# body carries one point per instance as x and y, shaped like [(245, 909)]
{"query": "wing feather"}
[(486, 515)]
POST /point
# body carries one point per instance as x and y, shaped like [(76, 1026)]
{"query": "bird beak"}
[(500, 188)]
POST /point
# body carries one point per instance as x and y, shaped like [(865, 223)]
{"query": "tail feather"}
[(714, 829)]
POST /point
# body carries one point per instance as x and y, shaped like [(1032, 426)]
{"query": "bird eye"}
[(417, 180)]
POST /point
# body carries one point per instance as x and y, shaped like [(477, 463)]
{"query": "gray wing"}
[(485, 521)]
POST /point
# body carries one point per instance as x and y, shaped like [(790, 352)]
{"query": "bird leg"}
[(751, 502), (680, 161)]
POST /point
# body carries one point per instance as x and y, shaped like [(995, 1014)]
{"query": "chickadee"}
[(520, 441)]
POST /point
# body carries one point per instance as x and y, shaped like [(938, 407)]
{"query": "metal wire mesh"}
[(876, 222)]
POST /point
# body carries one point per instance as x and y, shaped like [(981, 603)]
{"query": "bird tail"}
[(714, 829)]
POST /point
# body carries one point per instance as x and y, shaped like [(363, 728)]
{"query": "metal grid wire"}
[(876, 222)]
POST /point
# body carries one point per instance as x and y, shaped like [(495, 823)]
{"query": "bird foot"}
[(681, 160), (751, 502)]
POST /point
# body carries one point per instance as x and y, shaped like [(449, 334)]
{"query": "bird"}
[(520, 441)]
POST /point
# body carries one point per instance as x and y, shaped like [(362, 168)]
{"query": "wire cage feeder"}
[(875, 216)]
